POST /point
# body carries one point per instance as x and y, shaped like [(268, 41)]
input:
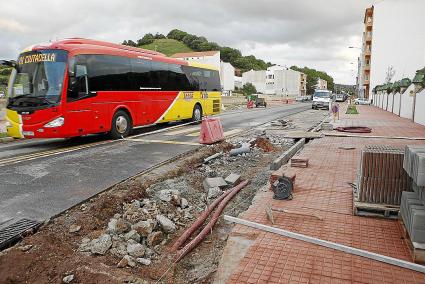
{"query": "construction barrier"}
[(211, 131)]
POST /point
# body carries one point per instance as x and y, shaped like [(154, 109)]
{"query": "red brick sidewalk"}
[(322, 189)]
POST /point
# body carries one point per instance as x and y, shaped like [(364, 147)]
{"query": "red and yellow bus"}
[(77, 87)]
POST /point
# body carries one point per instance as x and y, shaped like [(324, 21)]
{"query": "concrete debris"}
[(25, 248), (212, 157), (101, 244), (144, 261), (214, 182), (167, 225), (126, 261), (245, 148), (167, 195), (149, 253), (327, 126), (68, 278), (144, 228), (155, 239), (135, 249), (74, 228), (184, 203), (118, 226), (214, 192), (132, 235), (233, 179)]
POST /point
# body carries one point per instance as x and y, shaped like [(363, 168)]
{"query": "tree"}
[(248, 89), (146, 39), (159, 36), (176, 34), (312, 76), (390, 74)]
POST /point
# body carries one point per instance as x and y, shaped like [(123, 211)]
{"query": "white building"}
[(238, 82), (321, 84), (227, 76), (205, 57), (257, 78), (227, 71), (277, 80)]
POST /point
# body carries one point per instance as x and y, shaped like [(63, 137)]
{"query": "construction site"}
[(294, 200)]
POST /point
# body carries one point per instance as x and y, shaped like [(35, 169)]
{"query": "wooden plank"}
[(328, 244)]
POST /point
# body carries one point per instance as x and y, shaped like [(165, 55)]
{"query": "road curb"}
[(284, 158)]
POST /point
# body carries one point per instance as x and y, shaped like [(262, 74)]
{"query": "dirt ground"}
[(53, 252)]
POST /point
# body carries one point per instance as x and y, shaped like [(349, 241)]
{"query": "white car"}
[(2, 95), (361, 101)]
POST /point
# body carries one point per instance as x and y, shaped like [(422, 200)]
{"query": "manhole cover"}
[(15, 231)]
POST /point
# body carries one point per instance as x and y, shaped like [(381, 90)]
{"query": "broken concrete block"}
[(327, 126), (214, 182), (135, 249), (101, 244), (214, 192), (232, 179), (167, 225)]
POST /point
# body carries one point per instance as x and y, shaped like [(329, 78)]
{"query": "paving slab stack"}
[(412, 209), (381, 178)]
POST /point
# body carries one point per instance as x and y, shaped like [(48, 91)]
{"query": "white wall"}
[(403, 20), (407, 103), (396, 109), (257, 78), (384, 101), (390, 102), (227, 76), (420, 107)]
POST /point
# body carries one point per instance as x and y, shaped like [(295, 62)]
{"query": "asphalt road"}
[(43, 187)]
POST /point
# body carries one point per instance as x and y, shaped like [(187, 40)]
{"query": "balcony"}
[(369, 22), (366, 67), (368, 37)]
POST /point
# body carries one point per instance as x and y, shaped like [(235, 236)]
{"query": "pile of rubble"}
[(137, 235)]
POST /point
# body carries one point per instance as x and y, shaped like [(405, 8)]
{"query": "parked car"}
[(2, 95), (260, 102), (361, 101)]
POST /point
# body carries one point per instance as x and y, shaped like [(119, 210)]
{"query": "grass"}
[(352, 109), (3, 134), (167, 46)]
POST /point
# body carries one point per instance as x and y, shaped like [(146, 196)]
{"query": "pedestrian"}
[(335, 110)]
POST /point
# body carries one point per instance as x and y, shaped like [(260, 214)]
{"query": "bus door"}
[(79, 110)]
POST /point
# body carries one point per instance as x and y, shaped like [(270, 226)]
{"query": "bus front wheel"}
[(197, 114), (121, 125)]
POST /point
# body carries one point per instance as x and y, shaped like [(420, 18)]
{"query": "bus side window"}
[(78, 82)]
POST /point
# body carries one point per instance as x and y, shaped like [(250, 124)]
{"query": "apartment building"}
[(321, 84), (392, 37), (363, 78)]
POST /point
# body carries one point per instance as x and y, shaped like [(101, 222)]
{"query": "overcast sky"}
[(313, 33)]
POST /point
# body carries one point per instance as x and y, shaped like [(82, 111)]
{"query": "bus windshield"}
[(38, 78)]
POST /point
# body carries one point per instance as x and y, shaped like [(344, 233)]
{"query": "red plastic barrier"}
[(250, 104), (211, 131)]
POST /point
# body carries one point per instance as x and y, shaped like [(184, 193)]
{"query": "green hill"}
[(167, 46)]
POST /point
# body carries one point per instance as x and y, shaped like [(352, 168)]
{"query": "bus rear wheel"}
[(121, 125), (197, 114)]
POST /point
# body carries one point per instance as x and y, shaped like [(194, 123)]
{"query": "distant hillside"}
[(167, 46)]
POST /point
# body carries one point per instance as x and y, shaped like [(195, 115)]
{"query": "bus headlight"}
[(55, 123)]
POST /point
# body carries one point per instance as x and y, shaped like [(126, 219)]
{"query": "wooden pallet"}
[(417, 250), (375, 210)]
